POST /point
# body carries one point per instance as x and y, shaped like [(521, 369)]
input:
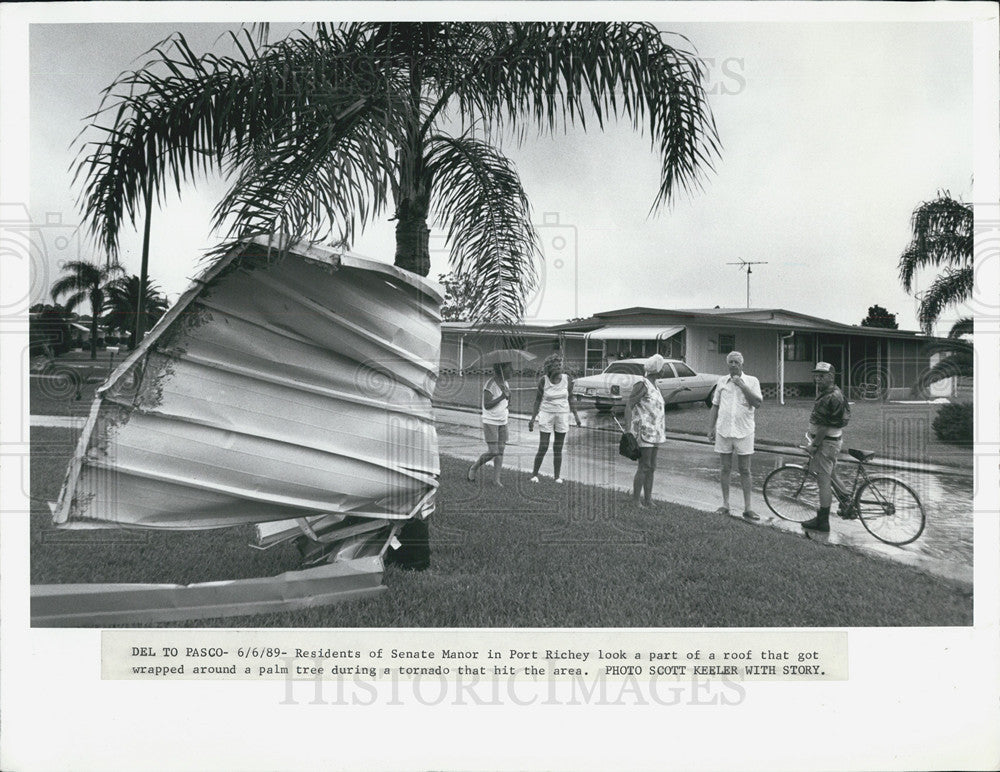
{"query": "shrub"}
[(49, 330), (953, 423)]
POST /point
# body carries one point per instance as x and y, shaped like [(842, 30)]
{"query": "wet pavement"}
[(687, 473)]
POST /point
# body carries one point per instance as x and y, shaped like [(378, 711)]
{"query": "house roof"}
[(521, 329), (759, 318), (778, 319)]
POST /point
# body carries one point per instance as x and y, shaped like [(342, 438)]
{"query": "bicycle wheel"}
[(890, 510), (791, 493)]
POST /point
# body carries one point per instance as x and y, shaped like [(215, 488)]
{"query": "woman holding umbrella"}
[(495, 404), (553, 403)]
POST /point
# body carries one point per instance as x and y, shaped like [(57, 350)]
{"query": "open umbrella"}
[(515, 356)]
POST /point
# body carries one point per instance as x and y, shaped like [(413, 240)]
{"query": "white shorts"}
[(553, 422), (742, 445)]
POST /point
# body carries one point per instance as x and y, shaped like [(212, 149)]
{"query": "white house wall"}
[(757, 347)]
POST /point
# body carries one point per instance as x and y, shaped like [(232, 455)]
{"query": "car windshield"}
[(628, 368)]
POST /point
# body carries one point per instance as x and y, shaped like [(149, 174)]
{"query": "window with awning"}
[(634, 332), (619, 341)]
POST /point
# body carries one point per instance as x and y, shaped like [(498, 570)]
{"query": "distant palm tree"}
[(320, 133), (943, 237), (85, 281), (122, 297)]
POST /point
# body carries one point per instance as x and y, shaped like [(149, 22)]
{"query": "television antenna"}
[(746, 264)]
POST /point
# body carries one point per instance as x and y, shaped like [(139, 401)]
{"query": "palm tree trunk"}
[(413, 245), (93, 333), (414, 194), (412, 233)]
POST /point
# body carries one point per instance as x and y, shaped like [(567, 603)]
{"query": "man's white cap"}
[(823, 367)]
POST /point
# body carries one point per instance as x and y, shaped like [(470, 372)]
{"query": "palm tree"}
[(321, 133), (942, 237), (122, 296), (85, 281)]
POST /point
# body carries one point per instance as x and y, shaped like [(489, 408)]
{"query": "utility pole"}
[(746, 264)]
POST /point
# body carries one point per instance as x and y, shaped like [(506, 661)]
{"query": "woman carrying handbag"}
[(645, 408)]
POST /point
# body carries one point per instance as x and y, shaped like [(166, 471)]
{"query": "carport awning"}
[(648, 332)]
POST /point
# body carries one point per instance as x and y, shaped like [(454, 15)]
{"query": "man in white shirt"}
[(736, 397)]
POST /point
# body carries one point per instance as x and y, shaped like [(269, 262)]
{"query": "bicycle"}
[(888, 508)]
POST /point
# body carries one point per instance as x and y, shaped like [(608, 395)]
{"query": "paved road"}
[(687, 473)]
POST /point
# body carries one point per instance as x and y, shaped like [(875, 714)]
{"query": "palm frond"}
[(121, 303), (952, 286), (942, 235), (492, 242), (81, 281), (948, 346), (962, 327), (72, 300), (555, 74), (182, 115), (957, 365), (329, 177)]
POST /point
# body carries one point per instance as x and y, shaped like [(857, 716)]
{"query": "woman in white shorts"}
[(553, 403)]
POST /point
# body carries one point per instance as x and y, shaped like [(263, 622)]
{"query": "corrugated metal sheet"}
[(279, 386), (70, 605)]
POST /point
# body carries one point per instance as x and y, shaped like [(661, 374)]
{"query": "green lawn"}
[(530, 555), (66, 385)]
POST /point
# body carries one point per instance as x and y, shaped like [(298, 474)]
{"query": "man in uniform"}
[(826, 425)]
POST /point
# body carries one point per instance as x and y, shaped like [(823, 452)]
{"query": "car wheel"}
[(708, 399), (602, 406)]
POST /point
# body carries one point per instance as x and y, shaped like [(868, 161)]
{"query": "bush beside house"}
[(953, 423)]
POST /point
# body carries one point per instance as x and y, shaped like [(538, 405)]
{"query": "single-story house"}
[(779, 346)]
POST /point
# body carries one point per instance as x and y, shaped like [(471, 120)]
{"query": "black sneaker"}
[(820, 524)]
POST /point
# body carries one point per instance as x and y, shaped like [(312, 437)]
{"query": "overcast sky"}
[(831, 134)]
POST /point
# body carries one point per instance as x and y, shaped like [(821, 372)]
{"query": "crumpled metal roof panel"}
[(280, 386)]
